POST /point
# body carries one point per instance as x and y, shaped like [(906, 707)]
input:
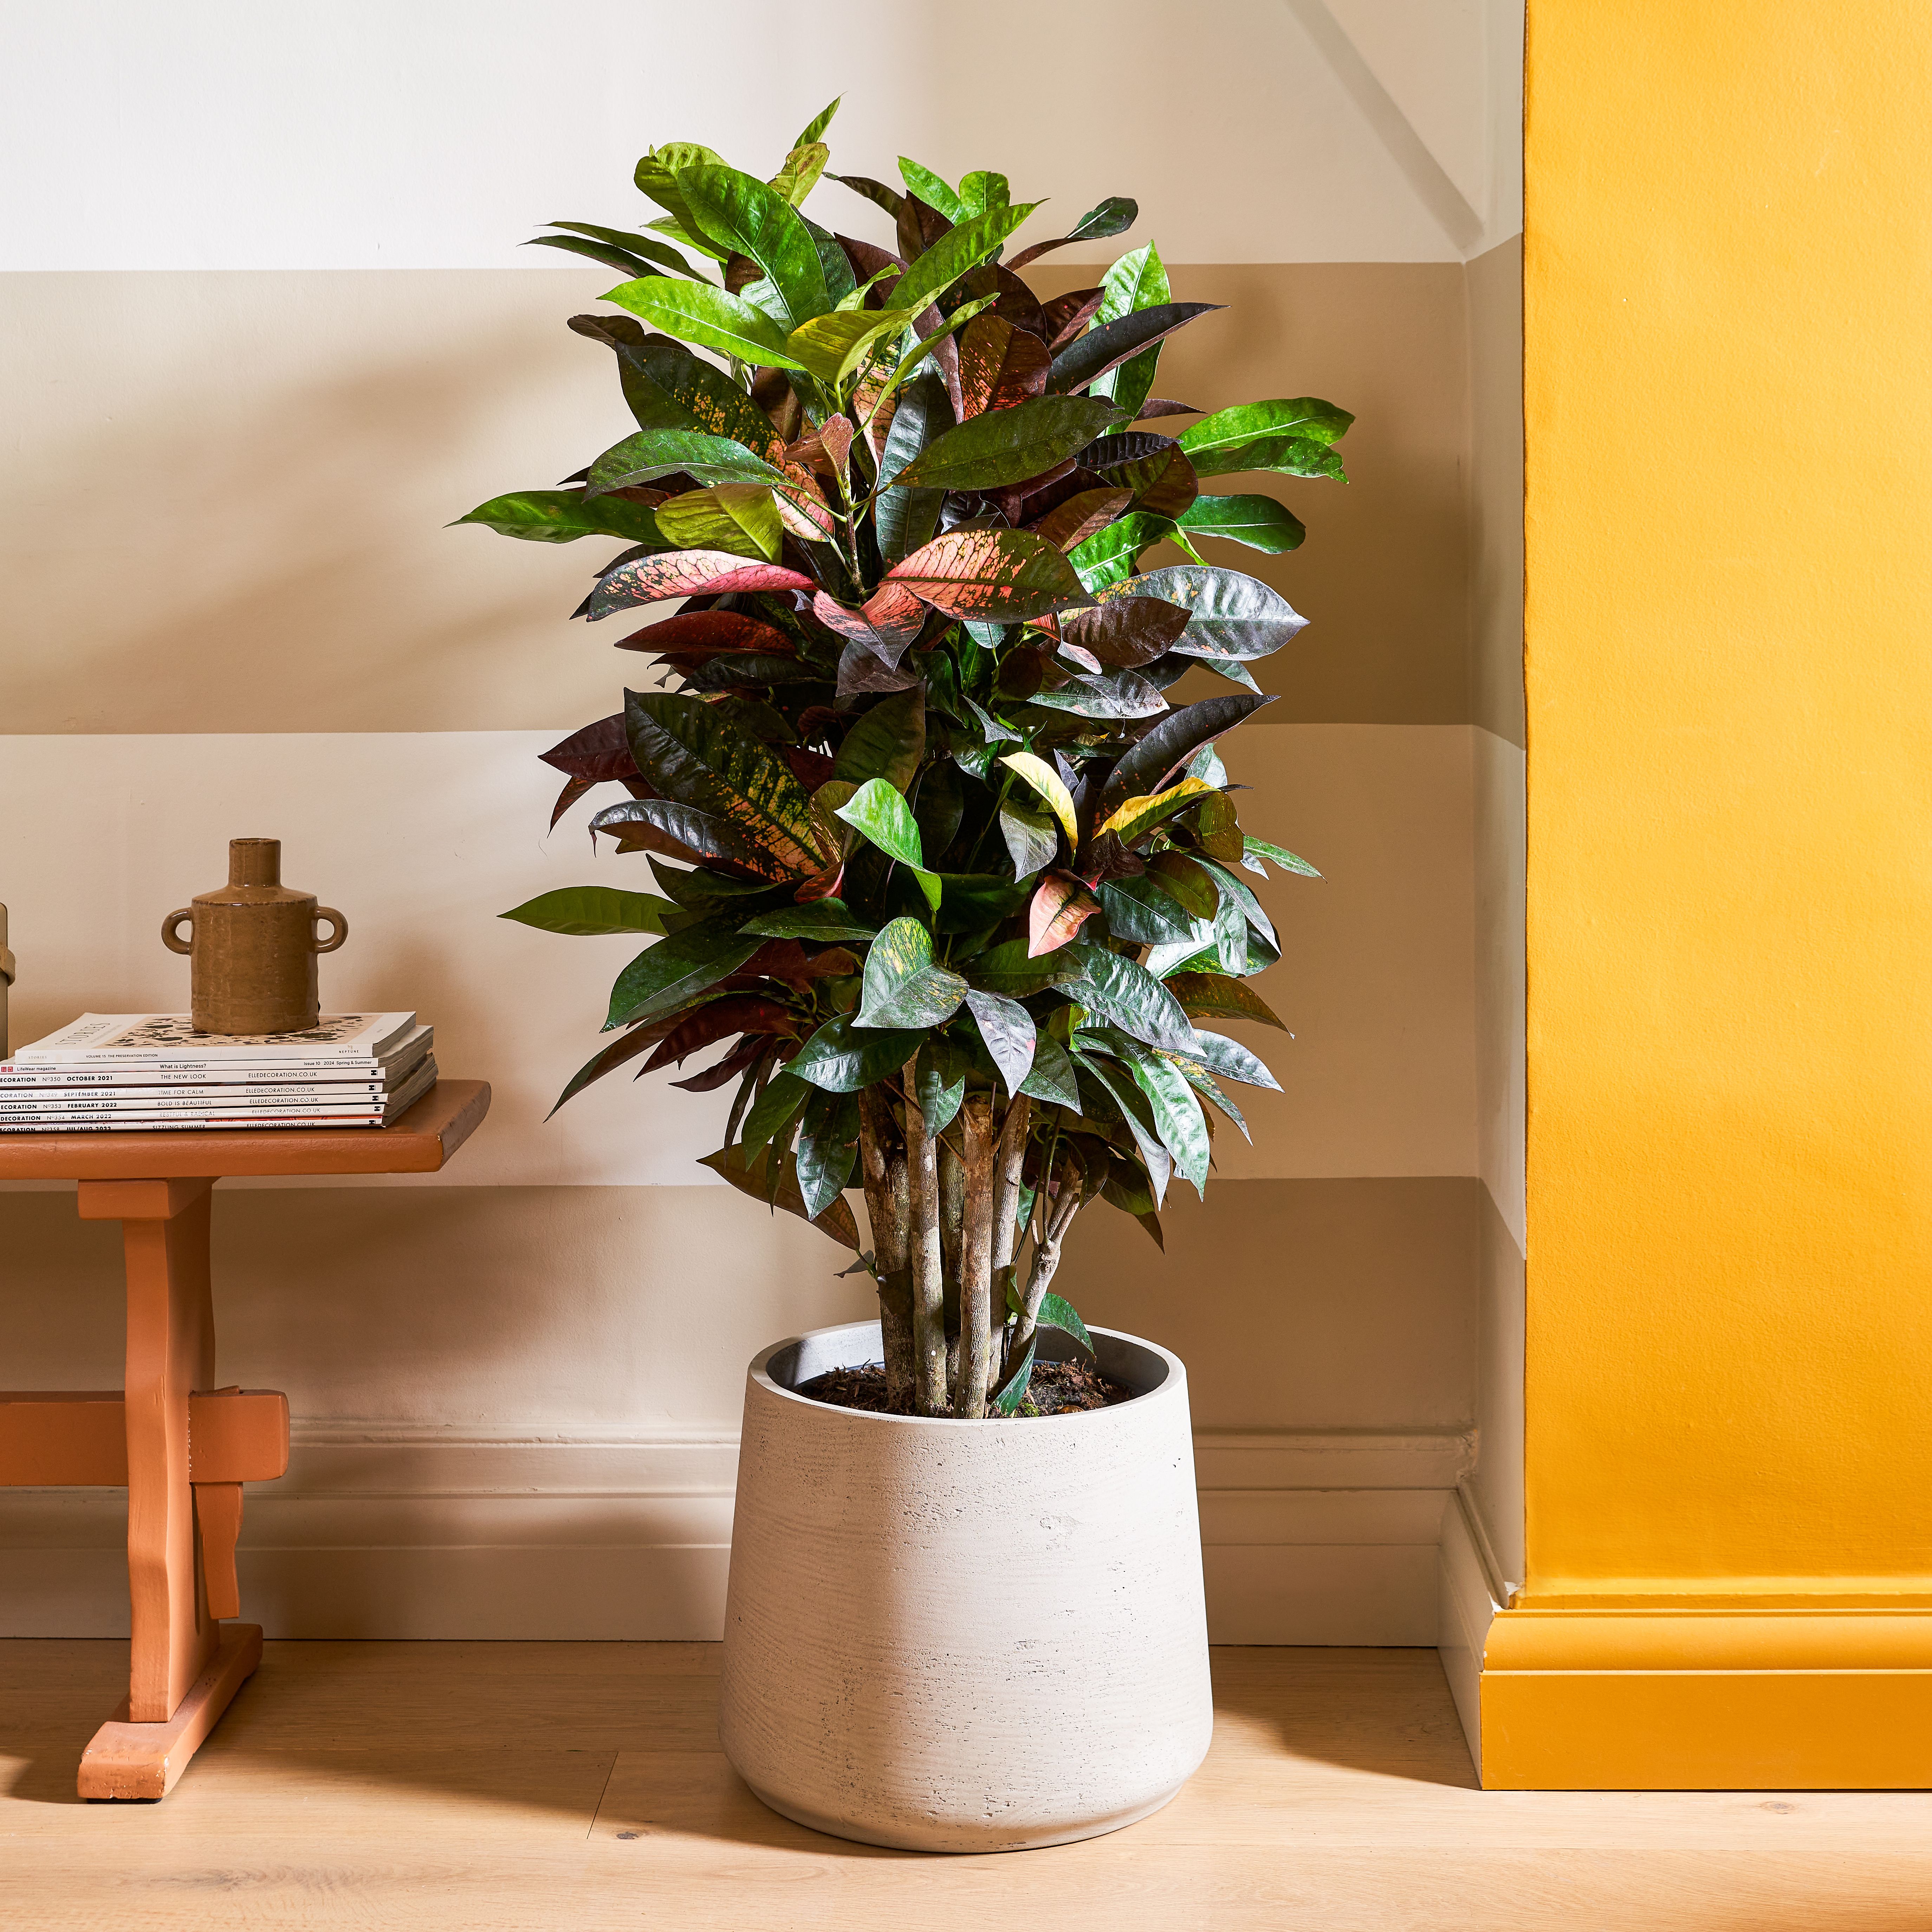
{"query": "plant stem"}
[(976, 1262), (929, 1277), (882, 1164), (1046, 1256), (1009, 1177)]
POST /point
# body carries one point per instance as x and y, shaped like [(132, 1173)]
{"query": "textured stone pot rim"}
[(1173, 1379)]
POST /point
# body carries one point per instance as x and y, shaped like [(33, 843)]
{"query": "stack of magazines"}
[(147, 1072)]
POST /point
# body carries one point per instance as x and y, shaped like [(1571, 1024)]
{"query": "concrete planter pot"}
[(964, 1637)]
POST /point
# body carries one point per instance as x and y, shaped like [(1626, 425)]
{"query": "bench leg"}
[(184, 1666)]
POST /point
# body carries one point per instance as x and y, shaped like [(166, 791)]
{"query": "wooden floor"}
[(579, 1786)]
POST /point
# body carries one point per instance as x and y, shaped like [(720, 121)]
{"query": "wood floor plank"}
[(578, 1787)]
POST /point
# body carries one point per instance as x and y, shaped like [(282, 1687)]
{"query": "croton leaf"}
[(1138, 910), (902, 987), (931, 189), (1154, 468), (1051, 1078), (1090, 356), (1008, 1030), (692, 752), (1126, 631), (994, 576), (663, 976), (653, 453), (1217, 996), (940, 1083), (963, 248), (888, 644), (1069, 524), (1116, 1085), (739, 518), (1280, 855), (1171, 743), (711, 317), (770, 1179), (669, 388), (1138, 281), (887, 742), (1000, 366), (1117, 693), (1259, 522), (1056, 1311), (773, 1112), (718, 1019), (608, 253), (1178, 1117), (597, 752), (821, 921), (562, 516), (648, 580), (1135, 817), (1230, 1060), (1232, 615), (1125, 992), (1061, 906), (828, 1149), (646, 247), (906, 518), (1031, 834), (592, 909), (1241, 438), (695, 635), (1114, 216), (841, 1061), (832, 347), (1006, 1400), (745, 217), (878, 811), (1009, 968), (1049, 786), (987, 452), (698, 837), (1109, 556)]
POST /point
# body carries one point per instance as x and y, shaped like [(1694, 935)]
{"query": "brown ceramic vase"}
[(252, 945)]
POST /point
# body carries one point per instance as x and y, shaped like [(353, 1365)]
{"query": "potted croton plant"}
[(965, 900)]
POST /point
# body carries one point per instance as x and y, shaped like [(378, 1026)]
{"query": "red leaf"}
[(597, 752), (885, 635), (1163, 406), (708, 632), (1061, 907), (811, 769), (1069, 524), (646, 579), (1000, 365), (1067, 315), (744, 1012), (825, 886), (1125, 631), (999, 576), (787, 960), (573, 790), (734, 1063)]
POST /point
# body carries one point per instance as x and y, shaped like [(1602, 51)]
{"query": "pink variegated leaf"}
[(894, 612), (1060, 907), (1000, 365), (994, 576), (801, 506), (888, 646), (647, 579)]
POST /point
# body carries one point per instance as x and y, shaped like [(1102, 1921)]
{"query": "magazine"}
[(405, 1097), (169, 1040), (230, 1079)]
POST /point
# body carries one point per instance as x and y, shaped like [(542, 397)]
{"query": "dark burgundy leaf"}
[(734, 1063), (573, 790), (1155, 468), (1066, 315), (1000, 366), (860, 672), (1072, 522), (1173, 741), (875, 191), (706, 632), (717, 1020), (597, 752), (1127, 631), (1163, 406), (1089, 357)]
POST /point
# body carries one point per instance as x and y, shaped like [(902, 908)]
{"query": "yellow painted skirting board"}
[(1789, 1695)]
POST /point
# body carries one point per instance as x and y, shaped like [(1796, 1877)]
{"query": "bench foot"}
[(137, 1761)]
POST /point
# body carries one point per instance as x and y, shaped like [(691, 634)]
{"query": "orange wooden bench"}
[(183, 1446)]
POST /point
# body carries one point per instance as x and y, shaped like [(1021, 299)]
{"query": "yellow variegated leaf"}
[(1046, 781), (1140, 815), (739, 517)]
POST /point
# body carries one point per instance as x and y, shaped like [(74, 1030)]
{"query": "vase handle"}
[(336, 938), (170, 937)]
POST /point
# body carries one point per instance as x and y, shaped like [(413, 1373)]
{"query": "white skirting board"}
[(1310, 1538), (1471, 1592)]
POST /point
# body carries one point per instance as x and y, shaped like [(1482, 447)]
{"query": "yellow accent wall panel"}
[(1730, 904)]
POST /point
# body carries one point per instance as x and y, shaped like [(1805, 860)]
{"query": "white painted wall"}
[(437, 133)]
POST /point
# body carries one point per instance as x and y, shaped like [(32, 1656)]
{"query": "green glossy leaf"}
[(878, 811), (1010, 1035), (1177, 1114), (1215, 996), (1116, 1084), (1285, 859), (1032, 836), (823, 922), (954, 254), (1186, 883), (656, 176), (1115, 694), (741, 518), (932, 189), (774, 1111), (1259, 522), (800, 174), (828, 1149), (1055, 1312), (1130, 997), (1221, 442), (693, 753), (1137, 281), (842, 1060), (1234, 616), (696, 312), (982, 189), (832, 347), (1051, 1078), (1009, 969), (940, 1081), (562, 516), (653, 453), (663, 976), (902, 987), (1243, 897), (668, 387), (1139, 911), (1006, 1400), (904, 519), (1005, 446), (1048, 785), (887, 742), (1110, 556), (592, 909), (814, 129), (1230, 1060)]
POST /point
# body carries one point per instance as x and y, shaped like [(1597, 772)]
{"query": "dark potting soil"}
[(1056, 1388)]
